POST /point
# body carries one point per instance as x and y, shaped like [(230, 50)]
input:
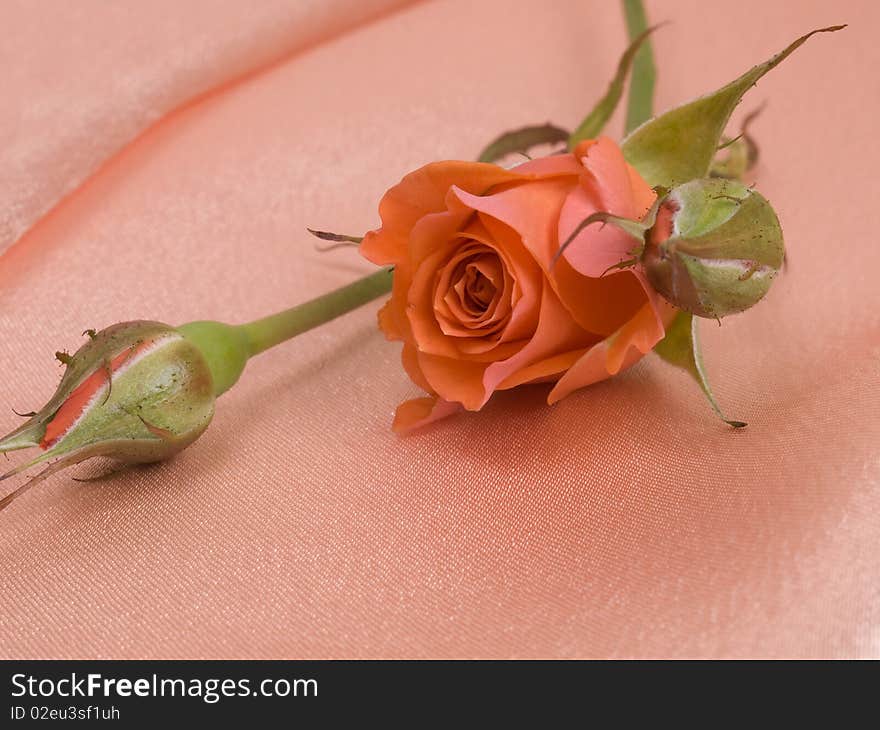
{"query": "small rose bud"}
[(134, 392), (140, 392), (715, 247)]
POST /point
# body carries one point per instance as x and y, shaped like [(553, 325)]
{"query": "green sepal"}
[(681, 347), (595, 121), (679, 145), (522, 140)]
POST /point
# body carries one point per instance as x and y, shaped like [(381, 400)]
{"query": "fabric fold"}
[(73, 100)]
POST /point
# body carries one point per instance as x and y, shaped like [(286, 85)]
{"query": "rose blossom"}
[(477, 299)]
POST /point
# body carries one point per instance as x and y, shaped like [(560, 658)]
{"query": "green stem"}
[(227, 348), (640, 103), (277, 328)]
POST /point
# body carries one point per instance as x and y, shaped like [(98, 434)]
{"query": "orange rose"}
[(476, 299)]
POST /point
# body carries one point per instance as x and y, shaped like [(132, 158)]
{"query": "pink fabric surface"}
[(81, 79), (625, 521)]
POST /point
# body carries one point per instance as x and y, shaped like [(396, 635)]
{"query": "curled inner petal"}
[(476, 289), (472, 293)]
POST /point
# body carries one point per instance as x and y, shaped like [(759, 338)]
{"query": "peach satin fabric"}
[(625, 521)]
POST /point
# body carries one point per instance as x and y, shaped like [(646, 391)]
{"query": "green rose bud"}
[(714, 249), (136, 392), (140, 392)]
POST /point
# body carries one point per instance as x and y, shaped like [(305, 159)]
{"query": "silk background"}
[(161, 160)]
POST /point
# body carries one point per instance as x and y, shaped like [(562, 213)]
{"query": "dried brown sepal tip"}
[(338, 240)]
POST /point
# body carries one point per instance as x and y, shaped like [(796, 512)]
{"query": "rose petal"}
[(556, 332), (455, 379), (597, 247), (526, 276), (421, 192), (664, 312), (615, 353), (413, 414), (552, 166), (388, 322), (531, 210), (435, 235), (544, 370), (451, 299), (598, 305), (409, 357), (621, 190), (612, 187), (392, 317)]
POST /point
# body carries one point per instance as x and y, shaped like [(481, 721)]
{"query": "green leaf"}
[(679, 145), (522, 140), (596, 120), (681, 348), (640, 104)]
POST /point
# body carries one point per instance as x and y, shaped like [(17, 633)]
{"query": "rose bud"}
[(714, 248), (136, 392), (139, 392)]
